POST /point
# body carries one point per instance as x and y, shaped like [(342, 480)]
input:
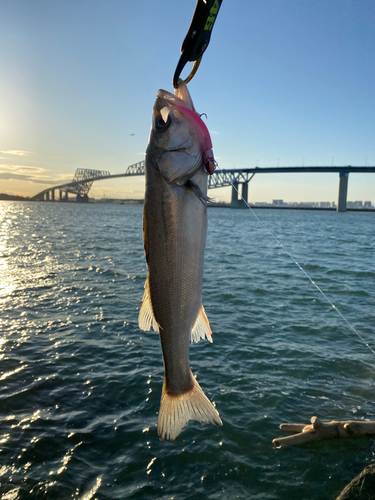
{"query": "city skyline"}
[(79, 82)]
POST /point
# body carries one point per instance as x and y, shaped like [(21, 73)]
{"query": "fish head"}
[(174, 140)]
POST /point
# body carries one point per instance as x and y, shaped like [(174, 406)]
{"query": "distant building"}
[(277, 202), (354, 204), (306, 204), (367, 204), (324, 204)]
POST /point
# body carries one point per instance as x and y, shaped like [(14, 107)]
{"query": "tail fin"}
[(176, 411)]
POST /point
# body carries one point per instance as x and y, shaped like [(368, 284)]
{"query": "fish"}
[(177, 162)]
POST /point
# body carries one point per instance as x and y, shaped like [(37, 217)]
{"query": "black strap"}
[(198, 36)]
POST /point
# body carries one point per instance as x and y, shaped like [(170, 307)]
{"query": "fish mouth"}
[(165, 99), (174, 100), (160, 103), (163, 119)]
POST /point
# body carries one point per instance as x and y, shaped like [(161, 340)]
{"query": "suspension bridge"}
[(84, 178)]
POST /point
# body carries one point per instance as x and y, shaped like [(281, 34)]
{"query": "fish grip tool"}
[(198, 37)]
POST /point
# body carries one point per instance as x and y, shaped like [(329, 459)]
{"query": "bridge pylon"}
[(235, 201), (343, 191)]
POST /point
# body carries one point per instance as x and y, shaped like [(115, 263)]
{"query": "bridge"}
[(82, 182), (84, 178)]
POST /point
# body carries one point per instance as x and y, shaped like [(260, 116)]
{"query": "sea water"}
[(80, 384)]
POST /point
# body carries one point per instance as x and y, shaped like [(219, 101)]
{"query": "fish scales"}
[(175, 229)]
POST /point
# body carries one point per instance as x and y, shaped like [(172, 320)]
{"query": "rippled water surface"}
[(80, 383)]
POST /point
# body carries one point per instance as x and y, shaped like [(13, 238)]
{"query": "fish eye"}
[(161, 124)]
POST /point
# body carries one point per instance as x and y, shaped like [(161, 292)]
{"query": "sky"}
[(283, 82)]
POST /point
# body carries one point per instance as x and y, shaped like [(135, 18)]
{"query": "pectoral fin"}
[(146, 318), (198, 192), (201, 328)]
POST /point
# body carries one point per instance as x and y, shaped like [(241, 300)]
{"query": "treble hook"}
[(198, 37)]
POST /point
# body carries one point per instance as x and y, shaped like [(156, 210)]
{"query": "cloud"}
[(21, 168), (19, 177), (31, 174), (34, 171), (16, 152), (64, 177), (8, 176), (214, 132)]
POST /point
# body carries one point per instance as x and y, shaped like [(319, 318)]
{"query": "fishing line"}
[(286, 251)]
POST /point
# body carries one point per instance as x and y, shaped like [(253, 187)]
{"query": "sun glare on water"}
[(7, 278)]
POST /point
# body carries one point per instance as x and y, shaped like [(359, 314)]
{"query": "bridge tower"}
[(82, 182)]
